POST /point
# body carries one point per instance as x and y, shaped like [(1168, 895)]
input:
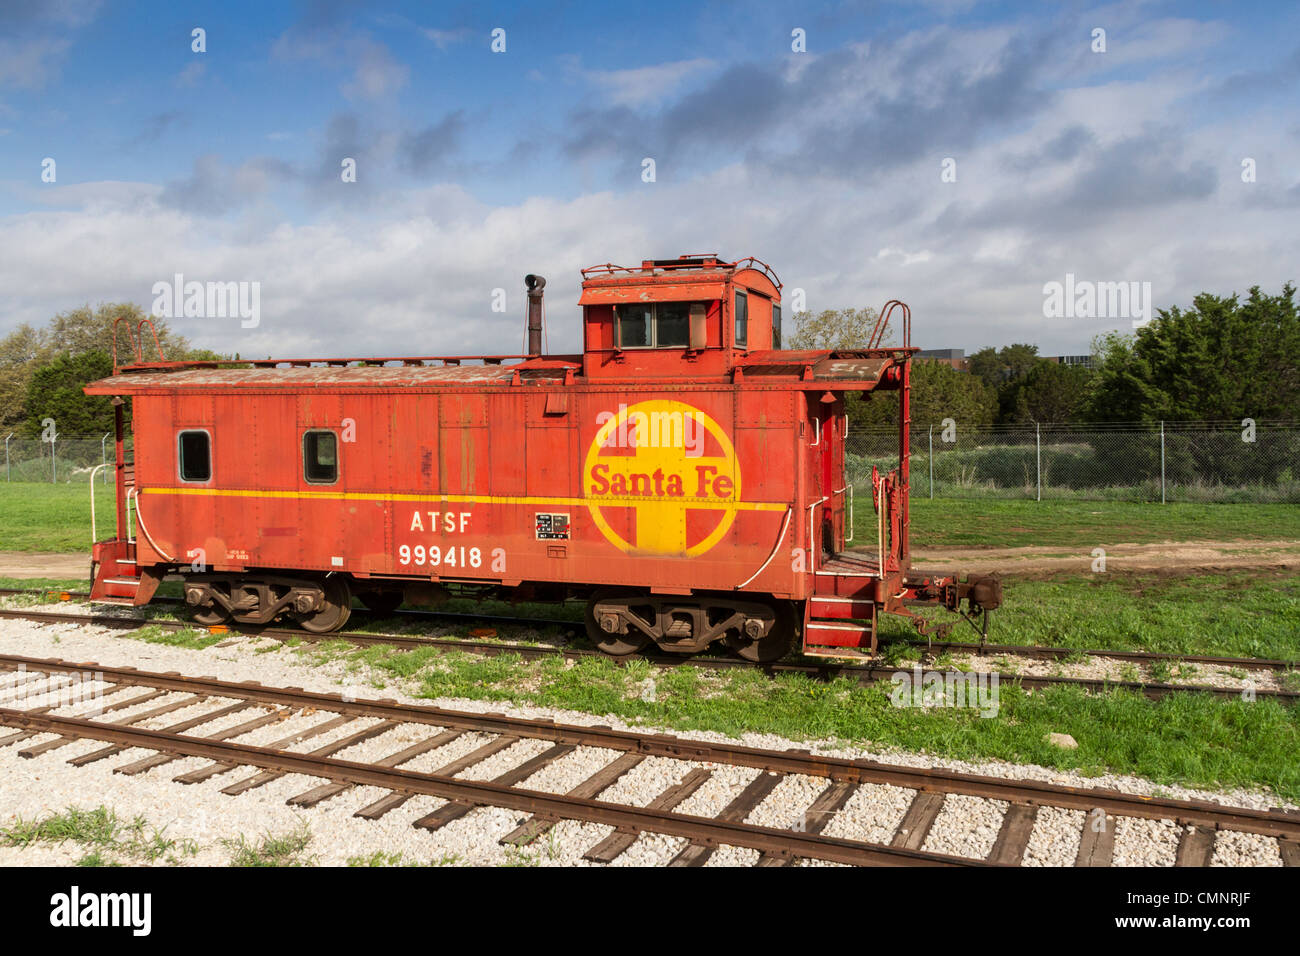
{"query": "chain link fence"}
[(1186, 461), (64, 460), (1202, 461)]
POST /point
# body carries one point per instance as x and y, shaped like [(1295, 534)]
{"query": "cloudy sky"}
[(474, 167)]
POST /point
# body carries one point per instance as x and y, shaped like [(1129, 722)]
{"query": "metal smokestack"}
[(535, 285)]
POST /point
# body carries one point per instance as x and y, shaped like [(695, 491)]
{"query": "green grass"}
[(1190, 739), (1231, 613), (187, 637), (109, 839), (288, 849), (944, 523), (37, 517)]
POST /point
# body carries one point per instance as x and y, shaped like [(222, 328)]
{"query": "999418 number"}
[(452, 556)]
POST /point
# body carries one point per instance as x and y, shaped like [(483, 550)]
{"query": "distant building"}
[(954, 357), (958, 360)]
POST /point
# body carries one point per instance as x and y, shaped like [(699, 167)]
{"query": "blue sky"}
[(475, 167)]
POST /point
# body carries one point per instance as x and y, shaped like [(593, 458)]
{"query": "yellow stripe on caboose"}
[(631, 501)]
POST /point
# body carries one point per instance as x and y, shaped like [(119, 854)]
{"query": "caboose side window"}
[(194, 454), (776, 326), (635, 326), (742, 319), (320, 457), (654, 325), (673, 324)]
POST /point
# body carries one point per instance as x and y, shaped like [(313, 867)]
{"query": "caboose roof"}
[(303, 378)]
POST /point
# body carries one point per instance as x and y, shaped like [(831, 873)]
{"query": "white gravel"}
[(203, 818)]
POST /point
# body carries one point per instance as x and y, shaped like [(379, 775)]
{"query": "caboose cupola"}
[(695, 315)]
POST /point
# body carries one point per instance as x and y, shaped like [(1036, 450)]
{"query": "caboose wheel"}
[(773, 645), (382, 602), (210, 616), (334, 611), (616, 645)]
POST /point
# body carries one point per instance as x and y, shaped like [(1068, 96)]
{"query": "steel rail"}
[(862, 673), (708, 831), (1042, 651), (1276, 823)]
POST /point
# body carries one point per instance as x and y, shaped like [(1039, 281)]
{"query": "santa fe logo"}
[(661, 478)]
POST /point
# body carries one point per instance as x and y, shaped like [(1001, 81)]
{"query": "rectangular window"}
[(663, 325), (635, 326), (320, 457), (776, 326), (673, 325), (742, 319), (194, 449)]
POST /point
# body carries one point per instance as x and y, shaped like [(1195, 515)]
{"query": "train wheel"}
[(383, 603), (616, 645), (773, 645), (210, 616), (333, 612)]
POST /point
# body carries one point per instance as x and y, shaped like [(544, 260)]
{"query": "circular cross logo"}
[(673, 468)]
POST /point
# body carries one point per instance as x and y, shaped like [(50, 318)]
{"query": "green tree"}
[(1004, 370), (1121, 389), (20, 352), (839, 329), (939, 391), (997, 368), (1222, 359), (76, 332), (55, 392), (1051, 393)]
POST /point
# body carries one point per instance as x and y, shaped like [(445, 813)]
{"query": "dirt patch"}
[(1163, 555), (43, 564)]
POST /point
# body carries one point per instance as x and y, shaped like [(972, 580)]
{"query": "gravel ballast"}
[(210, 827)]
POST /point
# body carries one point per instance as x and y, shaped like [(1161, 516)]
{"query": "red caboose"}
[(684, 474)]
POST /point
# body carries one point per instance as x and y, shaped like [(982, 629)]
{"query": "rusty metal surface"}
[(315, 377), (673, 469)]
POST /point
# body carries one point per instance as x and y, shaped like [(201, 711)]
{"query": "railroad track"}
[(863, 673), (348, 722), (1037, 651)]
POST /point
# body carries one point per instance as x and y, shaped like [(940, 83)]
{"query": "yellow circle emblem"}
[(673, 468)]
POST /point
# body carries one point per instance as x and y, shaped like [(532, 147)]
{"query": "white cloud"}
[(443, 39), (375, 71), (646, 84)]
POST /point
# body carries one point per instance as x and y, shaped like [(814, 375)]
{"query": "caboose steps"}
[(116, 576), (840, 607), (838, 639)]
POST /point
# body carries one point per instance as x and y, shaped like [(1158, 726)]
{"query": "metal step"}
[(840, 607), (124, 582), (831, 637)]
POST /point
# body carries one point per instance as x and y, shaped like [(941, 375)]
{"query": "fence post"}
[(932, 463), (1038, 458), (1162, 461), (7, 437), (103, 455), (54, 467)]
